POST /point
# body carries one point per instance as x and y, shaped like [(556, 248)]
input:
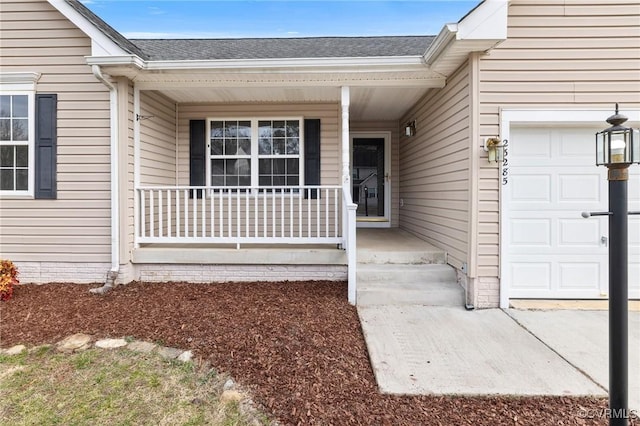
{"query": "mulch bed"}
[(297, 345)]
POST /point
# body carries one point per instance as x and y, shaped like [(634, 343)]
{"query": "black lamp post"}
[(617, 148)]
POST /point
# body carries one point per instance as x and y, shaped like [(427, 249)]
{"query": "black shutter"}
[(311, 155), (46, 146), (197, 153)]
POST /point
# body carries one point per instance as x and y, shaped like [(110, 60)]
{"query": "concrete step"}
[(394, 274), (401, 257), (429, 285)]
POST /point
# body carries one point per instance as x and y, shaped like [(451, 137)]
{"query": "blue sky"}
[(283, 18)]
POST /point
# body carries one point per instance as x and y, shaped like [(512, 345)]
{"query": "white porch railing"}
[(274, 215)]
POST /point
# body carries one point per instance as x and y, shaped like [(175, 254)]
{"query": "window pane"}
[(217, 167), (20, 106), (278, 181), (230, 147), (243, 167), (20, 130), (216, 129), (5, 129), (293, 146), (245, 180), (278, 167), (278, 129), (216, 147), (22, 156), (264, 167), (292, 166), (264, 146), (293, 129), (217, 180), (230, 129), (5, 106), (293, 181), (244, 129), (265, 181), (6, 180), (264, 129), (22, 179), (230, 166), (244, 146), (6, 156), (231, 181), (278, 146)]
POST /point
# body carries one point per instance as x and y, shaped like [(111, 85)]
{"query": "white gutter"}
[(277, 63), (112, 275)]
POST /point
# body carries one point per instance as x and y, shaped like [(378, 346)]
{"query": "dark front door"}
[(368, 176)]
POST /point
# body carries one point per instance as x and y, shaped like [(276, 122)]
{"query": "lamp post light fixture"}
[(617, 147)]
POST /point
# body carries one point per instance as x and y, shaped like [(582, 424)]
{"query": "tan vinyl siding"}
[(157, 139), (434, 178), (34, 37), (394, 129), (559, 55), (328, 114)]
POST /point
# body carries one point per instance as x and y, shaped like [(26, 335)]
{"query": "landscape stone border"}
[(81, 342)]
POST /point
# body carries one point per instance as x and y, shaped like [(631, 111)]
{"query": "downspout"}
[(112, 275)]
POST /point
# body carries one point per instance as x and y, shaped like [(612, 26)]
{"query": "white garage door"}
[(551, 251)]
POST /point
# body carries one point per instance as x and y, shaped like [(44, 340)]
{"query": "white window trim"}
[(255, 156), (30, 143)]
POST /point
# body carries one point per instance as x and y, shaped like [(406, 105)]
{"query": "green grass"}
[(111, 387)]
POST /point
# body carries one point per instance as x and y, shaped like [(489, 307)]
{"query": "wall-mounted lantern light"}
[(410, 128), (494, 148)]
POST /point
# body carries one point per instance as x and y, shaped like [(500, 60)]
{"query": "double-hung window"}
[(258, 153), (16, 143)]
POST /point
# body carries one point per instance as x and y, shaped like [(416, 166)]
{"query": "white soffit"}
[(101, 45)]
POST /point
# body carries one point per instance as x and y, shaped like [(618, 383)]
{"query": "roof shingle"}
[(280, 48)]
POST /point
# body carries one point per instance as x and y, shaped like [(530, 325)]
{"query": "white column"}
[(345, 102), (136, 165)]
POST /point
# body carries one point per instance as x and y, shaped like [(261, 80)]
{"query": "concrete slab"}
[(582, 338), (447, 350), (393, 245)]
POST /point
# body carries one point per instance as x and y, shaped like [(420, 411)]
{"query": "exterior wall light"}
[(617, 148), (494, 148), (410, 128)]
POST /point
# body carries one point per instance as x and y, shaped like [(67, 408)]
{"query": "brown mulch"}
[(297, 345)]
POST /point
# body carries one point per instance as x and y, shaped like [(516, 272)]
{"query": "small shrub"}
[(8, 278)]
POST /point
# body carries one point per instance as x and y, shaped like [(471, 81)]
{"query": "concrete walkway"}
[(447, 350)]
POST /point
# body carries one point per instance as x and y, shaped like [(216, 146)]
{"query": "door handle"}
[(604, 240)]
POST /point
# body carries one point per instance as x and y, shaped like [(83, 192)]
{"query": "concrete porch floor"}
[(394, 245)]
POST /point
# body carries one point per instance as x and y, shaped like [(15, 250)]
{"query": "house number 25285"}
[(505, 161)]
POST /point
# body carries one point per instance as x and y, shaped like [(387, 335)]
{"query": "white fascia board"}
[(121, 60), (307, 63), (100, 43), (488, 21), (441, 43)]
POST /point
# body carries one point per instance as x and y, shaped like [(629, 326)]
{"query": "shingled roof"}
[(106, 29), (259, 48), (279, 48)]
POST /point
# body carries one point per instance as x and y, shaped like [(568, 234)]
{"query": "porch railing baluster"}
[(184, 215)]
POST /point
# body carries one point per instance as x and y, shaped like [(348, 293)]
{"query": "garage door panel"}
[(571, 146), (530, 275), (580, 275), (531, 188), (534, 146), (531, 232), (580, 188), (580, 233)]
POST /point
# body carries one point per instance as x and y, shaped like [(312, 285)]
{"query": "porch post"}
[(136, 165), (345, 102)]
